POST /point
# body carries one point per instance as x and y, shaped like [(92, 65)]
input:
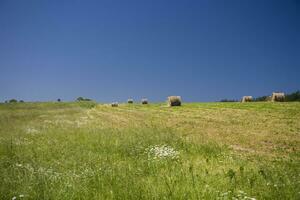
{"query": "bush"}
[(83, 99), (228, 100), (262, 98), (295, 96), (13, 101)]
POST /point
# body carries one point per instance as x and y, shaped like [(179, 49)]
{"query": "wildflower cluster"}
[(240, 195), (20, 197), (22, 141), (31, 130), (65, 122), (161, 152)]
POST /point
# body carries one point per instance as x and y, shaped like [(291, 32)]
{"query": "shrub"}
[(228, 100), (262, 98), (80, 99), (295, 96), (83, 99), (13, 101)]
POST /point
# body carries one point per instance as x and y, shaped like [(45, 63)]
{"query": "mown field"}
[(84, 150)]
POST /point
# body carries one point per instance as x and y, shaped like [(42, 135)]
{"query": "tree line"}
[(294, 96), (58, 100)]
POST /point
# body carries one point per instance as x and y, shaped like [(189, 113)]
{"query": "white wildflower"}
[(162, 152), (31, 130), (21, 195), (249, 198), (14, 198)]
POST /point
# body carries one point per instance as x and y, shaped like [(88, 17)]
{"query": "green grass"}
[(87, 151)]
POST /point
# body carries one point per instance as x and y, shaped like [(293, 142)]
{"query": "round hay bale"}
[(114, 104), (174, 101), (277, 96), (130, 101), (269, 98), (144, 101), (247, 99)]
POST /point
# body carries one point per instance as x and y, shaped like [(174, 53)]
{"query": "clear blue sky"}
[(111, 50)]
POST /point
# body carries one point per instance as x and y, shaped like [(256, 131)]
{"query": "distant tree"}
[(80, 99), (262, 98), (228, 100), (6, 101), (21, 101), (13, 101), (59, 100), (83, 99), (295, 96)]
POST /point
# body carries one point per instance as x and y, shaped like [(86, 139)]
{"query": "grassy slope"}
[(77, 151)]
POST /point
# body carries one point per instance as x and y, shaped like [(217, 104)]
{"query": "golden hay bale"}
[(114, 104), (130, 101), (268, 98), (277, 96), (174, 101), (144, 101), (247, 99)]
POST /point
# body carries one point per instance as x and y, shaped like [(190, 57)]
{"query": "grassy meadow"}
[(84, 150)]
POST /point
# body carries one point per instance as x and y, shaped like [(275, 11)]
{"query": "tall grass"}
[(75, 151)]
